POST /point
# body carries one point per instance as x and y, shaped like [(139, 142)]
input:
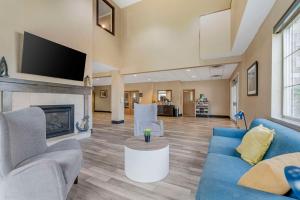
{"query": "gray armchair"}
[(29, 169), (145, 116)]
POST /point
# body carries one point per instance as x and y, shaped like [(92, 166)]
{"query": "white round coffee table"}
[(146, 162)]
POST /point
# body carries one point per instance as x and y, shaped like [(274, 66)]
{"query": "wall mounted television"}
[(47, 58)]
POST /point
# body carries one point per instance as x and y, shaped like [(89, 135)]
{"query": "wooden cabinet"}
[(165, 110)]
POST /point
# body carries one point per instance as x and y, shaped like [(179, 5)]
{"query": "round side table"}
[(146, 162)]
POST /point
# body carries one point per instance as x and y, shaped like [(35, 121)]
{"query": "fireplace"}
[(59, 119)]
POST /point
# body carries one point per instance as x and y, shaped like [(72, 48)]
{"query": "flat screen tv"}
[(47, 58)]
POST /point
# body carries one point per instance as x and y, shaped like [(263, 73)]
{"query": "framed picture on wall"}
[(252, 80), (103, 93)]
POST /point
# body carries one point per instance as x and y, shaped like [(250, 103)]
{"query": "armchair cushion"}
[(155, 126), (70, 144), (29, 181), (68, 160)]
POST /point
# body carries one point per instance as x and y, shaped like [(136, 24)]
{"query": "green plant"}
[(147, 132)]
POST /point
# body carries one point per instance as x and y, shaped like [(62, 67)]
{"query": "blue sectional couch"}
[(224, 167)]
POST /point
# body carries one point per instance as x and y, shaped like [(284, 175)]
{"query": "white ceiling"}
[(192, 74), (100, 68), (125, 3)]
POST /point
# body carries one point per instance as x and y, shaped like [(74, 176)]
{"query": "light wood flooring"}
[(102, 176)]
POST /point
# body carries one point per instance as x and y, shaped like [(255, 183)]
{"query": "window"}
[(291, 70)]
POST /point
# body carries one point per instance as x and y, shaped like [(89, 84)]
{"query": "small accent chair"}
[(145, 116), (29, 169)]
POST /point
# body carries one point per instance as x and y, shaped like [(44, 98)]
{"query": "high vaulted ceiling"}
[(189, 74)]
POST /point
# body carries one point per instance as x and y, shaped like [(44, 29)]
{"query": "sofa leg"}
[(76, 180)]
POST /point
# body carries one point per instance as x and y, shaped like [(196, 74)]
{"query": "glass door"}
[(234, 98)]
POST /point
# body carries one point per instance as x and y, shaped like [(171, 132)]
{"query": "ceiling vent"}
[(216, 76), (216, 66)]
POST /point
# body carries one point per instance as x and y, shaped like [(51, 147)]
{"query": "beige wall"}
[(164, 34), (217, 92), (107, 47), (237, 11), (176, 88), (67, 22), (102, 104), (260, 50), (212, 36)]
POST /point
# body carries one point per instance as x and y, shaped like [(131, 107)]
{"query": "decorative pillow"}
[(255, 144), (268, 175)]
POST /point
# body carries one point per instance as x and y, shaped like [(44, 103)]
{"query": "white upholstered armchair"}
[(29, 169), (145, 116)]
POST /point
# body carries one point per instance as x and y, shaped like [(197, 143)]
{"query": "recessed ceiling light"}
[(135, 75), (188, 70)]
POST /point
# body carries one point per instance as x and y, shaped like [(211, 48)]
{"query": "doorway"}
[(130, 98), (189, 103), (234, 97)]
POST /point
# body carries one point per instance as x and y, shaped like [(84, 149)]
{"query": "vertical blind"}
[(291, 69)]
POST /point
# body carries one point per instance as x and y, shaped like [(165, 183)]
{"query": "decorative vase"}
[(147, 135), (147, 138)]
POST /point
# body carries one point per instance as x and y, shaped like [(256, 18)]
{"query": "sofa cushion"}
[(223, 167), (70, 144), (269, 176), (224, 145), (69, 160), (229, 132), (215, 189), (255, 144), (285, 140)]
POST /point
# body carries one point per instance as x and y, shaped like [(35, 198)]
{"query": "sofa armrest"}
[(40, 180), (229, 132)]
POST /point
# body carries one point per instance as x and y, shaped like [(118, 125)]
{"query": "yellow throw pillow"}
[(268, 175), (255, 144)]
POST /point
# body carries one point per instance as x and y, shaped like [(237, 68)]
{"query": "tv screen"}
[(47, 58)]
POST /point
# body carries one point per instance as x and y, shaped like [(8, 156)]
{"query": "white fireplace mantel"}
[(14, 90)]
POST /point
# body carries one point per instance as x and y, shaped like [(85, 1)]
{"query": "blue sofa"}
[(224, 167)]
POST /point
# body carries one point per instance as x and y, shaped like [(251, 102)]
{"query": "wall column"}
[(117, 98)]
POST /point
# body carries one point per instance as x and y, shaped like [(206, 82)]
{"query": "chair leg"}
[(76, 180)]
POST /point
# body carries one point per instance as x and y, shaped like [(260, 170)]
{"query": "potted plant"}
[(147, 134)]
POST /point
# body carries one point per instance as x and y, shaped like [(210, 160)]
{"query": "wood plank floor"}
[(102, 176)]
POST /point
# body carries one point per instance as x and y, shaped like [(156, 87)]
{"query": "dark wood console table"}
[(165, 110)]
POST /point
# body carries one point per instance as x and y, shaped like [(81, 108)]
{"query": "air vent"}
[(216, 76), (216, 66)]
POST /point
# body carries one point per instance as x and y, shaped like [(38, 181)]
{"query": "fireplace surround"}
[(20, 93), (59, 119)]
